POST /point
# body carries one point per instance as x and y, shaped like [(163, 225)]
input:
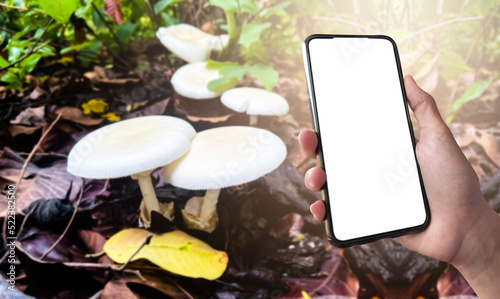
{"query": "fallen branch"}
[(23, 170)]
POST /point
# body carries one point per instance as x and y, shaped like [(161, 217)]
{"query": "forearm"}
[(479, 262)]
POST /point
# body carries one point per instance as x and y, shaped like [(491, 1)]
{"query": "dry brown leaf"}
[(30, 117), (117, 288), (113, 9), (76, 115), (94, 242), (490, 145), (18, 129)]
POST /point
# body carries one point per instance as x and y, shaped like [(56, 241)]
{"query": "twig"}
[(19, 231), (107, 25), (95, 255), (23, 170), (32, 49), (67, 226), (43, 154), (439, 26), (148, 238), (12, 6)]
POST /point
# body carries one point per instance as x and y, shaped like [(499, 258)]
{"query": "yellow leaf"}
[(111, 116), (176, 252), (97, 106), (305, 295)]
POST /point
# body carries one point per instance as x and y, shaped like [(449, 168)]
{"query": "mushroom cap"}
[(226, 156), (190, 43), (255, 101), (218, 42), (130, 146), (191, 81), (186, 41)]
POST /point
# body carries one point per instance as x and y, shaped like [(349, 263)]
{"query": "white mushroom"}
[(254, 101), (132, 147), (189, 42), (191, 81), (219, 158)]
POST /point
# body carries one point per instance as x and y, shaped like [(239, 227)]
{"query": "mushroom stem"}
[(253, 120), (209, 203), (148, 194)]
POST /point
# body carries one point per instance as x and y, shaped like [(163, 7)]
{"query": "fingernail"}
[(308, 179)]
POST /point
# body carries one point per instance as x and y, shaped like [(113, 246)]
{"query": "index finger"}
[(309, 142)]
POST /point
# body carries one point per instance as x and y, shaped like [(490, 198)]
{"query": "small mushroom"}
[(132, 147), (254, 101), (220, 158), (191, 81), (190, 43)]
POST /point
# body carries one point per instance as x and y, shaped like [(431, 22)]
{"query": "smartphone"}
[(374, 187)]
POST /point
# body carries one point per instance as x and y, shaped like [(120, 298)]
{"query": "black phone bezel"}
[(324, 190)]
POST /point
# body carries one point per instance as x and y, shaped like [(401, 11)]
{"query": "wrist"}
[(479, 256)]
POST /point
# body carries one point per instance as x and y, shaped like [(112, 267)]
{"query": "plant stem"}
[(209, 203), (30, 50), (109, 27), (13, 7), (148, 194)]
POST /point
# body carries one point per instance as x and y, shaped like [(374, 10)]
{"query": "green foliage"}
[(232, 72), (60, 10), (474, 91), (256, 36)]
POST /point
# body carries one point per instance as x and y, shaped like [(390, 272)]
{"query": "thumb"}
[(424, 107)]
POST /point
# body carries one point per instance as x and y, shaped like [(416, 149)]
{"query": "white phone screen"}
[(372, 177)]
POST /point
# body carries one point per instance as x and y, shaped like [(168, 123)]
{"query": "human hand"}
[(463, 229)]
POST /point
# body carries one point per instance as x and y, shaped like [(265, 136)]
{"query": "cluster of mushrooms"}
[(208, 160)]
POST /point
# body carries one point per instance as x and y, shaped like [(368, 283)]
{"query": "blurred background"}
[(82, 64)]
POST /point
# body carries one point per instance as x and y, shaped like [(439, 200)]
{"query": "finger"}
[(423, 106), (318, 210), (315, 178), (309, 142)]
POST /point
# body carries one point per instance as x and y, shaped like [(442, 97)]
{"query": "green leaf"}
[(238, 6), (3, 62), (217, 65), (451, 65), (125, 31), (13, 80), (474, 91), (30, 62), (87, 43), (222, 84), (96, 19), (60, 10), (249, 6), (232, 71), (162, 4), (265, 73), (88, 53), (168, 20), (226, 5), (250, 33), (176, 252)]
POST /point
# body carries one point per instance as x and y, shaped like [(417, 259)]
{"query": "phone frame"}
[(324, 190)]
